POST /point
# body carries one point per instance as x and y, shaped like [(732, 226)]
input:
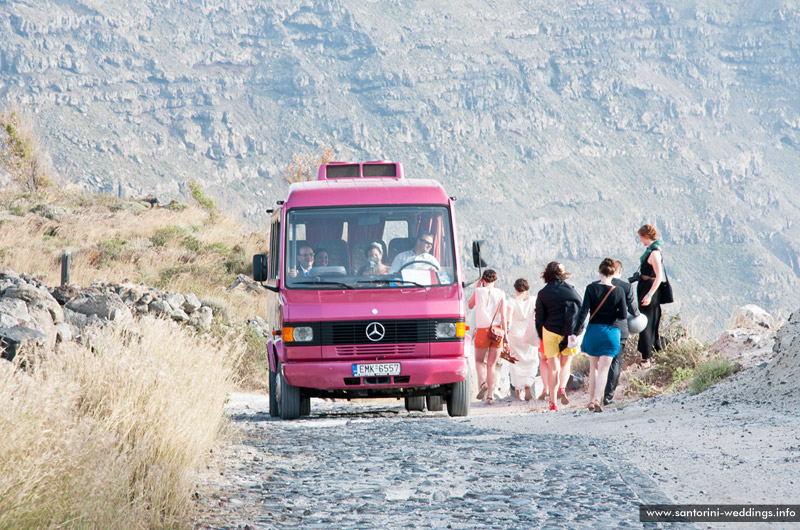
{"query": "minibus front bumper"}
[(341, 375)]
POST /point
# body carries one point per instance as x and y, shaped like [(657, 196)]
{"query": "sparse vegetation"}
[(304, 167), (21, 153), (108, 435), (711, 372), (202, 199)]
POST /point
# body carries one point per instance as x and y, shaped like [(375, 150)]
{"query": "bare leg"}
[(603, 363), (592, 377), (544, 371), (480, 365), (494, 354), (563, 375), (553, 366)]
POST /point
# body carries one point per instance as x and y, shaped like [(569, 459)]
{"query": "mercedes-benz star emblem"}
[(375, 331)]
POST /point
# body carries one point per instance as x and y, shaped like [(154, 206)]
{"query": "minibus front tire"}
[(415, 403), (458, 400), (305, 406), (435, 403), (288, 398)]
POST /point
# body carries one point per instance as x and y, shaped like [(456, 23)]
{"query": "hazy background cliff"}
[(560, 126)]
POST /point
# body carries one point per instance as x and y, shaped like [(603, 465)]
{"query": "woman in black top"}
[(601, 342), (649, 291), (557, 305)]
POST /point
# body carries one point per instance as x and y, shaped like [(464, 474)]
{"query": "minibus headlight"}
[(303, 334), (445, 330)]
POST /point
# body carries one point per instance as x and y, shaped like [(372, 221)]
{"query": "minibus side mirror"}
[(260, 267), (478, 253)]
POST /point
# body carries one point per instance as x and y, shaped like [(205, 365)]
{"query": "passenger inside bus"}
[(374, 265), (419, 257), (305, 260)]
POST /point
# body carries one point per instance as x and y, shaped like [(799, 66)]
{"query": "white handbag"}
[(637, 324)]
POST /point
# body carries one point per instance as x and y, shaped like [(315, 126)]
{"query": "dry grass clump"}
[(176, 249), (107, 435), (676, 363)]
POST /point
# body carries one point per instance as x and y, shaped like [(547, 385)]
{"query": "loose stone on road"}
[(357, 466)]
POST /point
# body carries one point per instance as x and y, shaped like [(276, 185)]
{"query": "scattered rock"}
[(191, 303), (202, 318), (12, 340), (36, 297), (752, 317), (54, 213), (249, 285), (576, 381), (64, 294), (108, 306)]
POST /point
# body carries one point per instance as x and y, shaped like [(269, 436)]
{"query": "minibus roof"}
[(365, 191)]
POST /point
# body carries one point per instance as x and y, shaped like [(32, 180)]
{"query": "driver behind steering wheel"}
[(420, 253)]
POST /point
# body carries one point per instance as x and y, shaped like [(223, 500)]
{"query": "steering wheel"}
[(435, 267)]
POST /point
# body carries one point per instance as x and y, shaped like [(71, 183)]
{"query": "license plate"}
[(371, 370)]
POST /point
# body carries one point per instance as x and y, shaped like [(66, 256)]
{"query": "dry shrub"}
[(107, 435), (303, 166)]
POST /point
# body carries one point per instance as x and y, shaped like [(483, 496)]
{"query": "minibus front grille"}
[(395, 331), (376, 349)]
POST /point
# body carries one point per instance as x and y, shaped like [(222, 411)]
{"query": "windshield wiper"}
[(385, 280), (323, 282)]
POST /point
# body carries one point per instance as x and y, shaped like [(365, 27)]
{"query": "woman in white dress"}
[(489, 304), (521, 309)]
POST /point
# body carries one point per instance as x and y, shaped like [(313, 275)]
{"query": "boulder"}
[(108, 306), (576, 381), (15, 308), (36, 297), (65, 332), (160, 308), (191, 303), (752, 317), (12, 340), (247, 284), (175, 301), (202, 318), (64, 294), (260, 326), (179, 315), (8, 274), (73, 318)]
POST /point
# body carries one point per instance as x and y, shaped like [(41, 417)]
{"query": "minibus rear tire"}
[(435, 403), (415, 403), (458, 400)]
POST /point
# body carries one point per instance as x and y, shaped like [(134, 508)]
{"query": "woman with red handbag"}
[(489, 304)]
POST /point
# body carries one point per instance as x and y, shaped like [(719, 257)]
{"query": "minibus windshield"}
[(369, 247)]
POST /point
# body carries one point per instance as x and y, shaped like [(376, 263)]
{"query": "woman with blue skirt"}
[(606, 304)]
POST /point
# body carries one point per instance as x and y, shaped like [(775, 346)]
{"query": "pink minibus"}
[(365, 292)]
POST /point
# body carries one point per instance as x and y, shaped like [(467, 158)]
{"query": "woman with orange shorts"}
[(489, 303)]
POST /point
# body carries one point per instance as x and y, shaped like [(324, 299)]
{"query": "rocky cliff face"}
[(560, 126)]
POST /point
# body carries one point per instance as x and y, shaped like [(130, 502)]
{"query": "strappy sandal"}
[(490, 401), (563, 396), (597, 407), (553, 406), (591, 406), (482, 392)]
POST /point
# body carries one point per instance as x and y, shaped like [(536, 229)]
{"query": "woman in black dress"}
[(649, 291)]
